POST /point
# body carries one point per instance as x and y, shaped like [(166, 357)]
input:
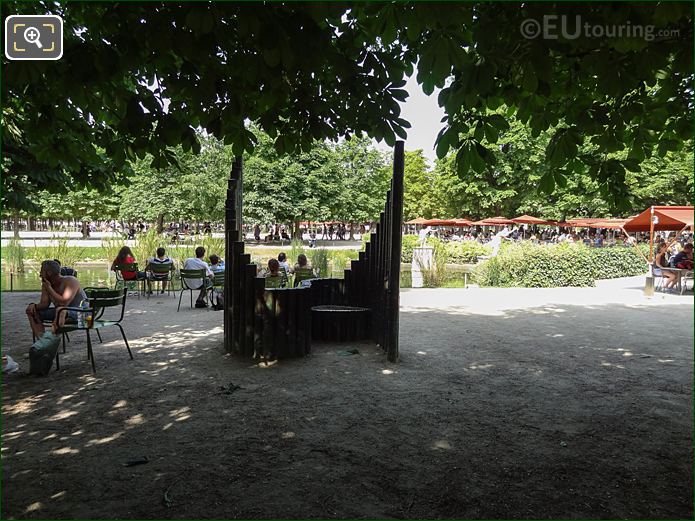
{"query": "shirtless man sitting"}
[(56, 290)]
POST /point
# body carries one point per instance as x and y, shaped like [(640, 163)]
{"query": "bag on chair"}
[(42, 354), (219, 301)]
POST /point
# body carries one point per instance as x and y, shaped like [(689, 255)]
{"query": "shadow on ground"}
[(558, 411)]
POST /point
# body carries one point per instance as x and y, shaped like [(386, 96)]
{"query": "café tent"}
[(666, 218), (529, 219), (494, 221), (615, 224), (463, 222), (417, 220), (439, 222)]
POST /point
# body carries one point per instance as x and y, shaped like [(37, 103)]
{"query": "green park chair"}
[(188, 276), (161, 273), (217, 286), (276, 281), (100, 299), (131, 284), (303, 273), (285, 276)]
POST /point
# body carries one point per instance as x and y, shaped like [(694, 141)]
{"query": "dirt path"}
[(547, 409)]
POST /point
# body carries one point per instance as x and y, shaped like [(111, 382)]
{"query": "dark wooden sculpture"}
[(277, 323)]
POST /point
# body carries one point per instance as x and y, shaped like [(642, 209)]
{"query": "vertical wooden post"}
[(395, 251)]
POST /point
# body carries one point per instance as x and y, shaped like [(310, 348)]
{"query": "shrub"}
[(533, 266), (408, 242), (466, 252)]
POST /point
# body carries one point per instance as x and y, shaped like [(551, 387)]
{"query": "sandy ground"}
[(507, 403)]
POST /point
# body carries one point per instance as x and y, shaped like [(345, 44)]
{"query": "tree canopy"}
[(139, 79)]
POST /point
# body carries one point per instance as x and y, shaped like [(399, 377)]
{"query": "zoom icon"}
[(33, 37)]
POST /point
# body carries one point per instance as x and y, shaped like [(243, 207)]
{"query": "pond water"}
[(29, 280), (100, 275), (95, 275)]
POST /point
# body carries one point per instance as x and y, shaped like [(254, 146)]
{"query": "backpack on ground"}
[(42, 354)]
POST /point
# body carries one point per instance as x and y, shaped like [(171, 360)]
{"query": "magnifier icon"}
[(32, 35)]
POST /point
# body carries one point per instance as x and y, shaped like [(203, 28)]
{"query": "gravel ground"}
[(506, 403)]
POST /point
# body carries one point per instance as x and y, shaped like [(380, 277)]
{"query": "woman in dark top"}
[(661, 267)]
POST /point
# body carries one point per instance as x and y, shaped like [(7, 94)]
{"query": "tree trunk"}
[(32, 224), (160, 223), (296, 231), (85, 230), (15, 225), (352, 231)]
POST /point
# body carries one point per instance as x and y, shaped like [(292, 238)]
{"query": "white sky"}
[(424, 115)]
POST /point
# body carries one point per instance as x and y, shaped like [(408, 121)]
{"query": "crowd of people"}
[(540, 235), (670, 257)]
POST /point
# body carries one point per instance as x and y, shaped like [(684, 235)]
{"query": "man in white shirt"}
[(199, 264)]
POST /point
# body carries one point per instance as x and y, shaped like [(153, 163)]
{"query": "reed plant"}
[(13, 256), (319, 261)]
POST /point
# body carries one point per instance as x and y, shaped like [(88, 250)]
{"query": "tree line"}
[(347, 182)]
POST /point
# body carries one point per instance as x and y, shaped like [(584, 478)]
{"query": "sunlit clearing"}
[(34, 507), (65, 450), (135, 420), (62, 415), (287, 435), (441, 444), (480, 366), (167, 426), (627, 353), (387, 371), (182, 410), (119, 404), (59, 494), (101, 441), (663, 360), (422, 352)]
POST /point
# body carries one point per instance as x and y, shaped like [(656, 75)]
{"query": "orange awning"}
[(669, 218), (494, 221), (529, 219), (417, 220), (440, 222)]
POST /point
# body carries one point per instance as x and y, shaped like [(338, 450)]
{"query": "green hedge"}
[(533, 266), (407, 244), (464, 252)]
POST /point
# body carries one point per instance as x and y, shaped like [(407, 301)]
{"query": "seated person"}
[(660, 268), (198, 263), (684, 259), (282, 259), (161, 259), (302, 271), (56, 290), (275, 278), (125, 256), (216, 264)]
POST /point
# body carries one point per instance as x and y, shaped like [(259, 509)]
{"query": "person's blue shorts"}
[(49, 315)]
